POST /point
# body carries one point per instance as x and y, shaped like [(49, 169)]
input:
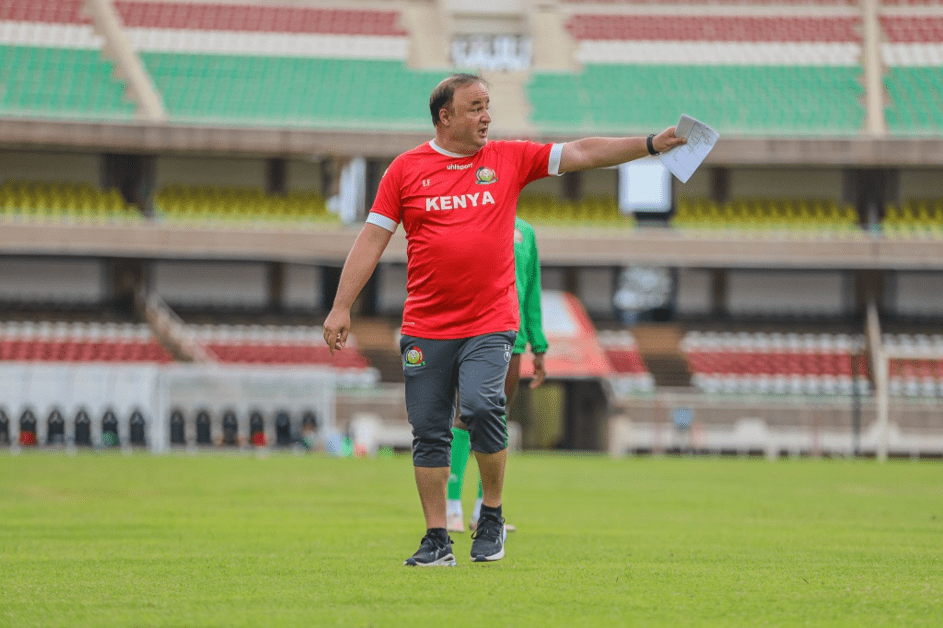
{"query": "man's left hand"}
[(666, 140), (539, 372)]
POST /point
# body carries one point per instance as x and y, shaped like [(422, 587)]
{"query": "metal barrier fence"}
[(774, 426)]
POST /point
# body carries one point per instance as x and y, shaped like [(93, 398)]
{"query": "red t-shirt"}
[(458, 213)]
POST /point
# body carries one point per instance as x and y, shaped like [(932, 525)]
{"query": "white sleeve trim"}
[(556, 153), (382, 221)]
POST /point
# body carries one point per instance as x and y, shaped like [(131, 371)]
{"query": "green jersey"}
[(527, 265)]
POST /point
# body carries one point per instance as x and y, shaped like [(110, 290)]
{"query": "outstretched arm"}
[(602, 152), (361, 261)]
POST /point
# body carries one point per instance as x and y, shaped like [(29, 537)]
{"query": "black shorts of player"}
[(434, 370)]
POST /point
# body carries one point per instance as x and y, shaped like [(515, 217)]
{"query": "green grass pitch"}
[(292, 540)]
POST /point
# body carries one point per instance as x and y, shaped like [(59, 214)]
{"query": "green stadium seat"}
[(289, 91), (59, 82), (915, 100), (760, 100)]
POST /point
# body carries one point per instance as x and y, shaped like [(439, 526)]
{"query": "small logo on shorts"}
[(485, 176), (507, 353), (414, 357)]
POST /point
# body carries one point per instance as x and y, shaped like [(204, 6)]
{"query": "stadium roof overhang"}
[(163, 138), (558, 247)]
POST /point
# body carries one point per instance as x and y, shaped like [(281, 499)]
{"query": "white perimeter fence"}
[(141, 399)]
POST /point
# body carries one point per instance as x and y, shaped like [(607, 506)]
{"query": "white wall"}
[(303, 175), (75, 281), (211, 283), (697, 186), (210, 172), (601, 182), (40, 166), (693, 291), (785, 292), (548, 186), (302, 287), (391, 291), (918, 294), (923, 183), (596, 285), (551, 278), (786, 183)]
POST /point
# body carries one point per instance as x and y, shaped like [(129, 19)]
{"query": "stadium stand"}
[(787, 74), (277, 64), (915, 218), (128, 342), (748, 67), (776, 363), (33, 286), (632, 376), (36, 200), (913, 53), (194, 204), (725, 2), (50, 64), (916, 376), (596, 211), (803, 215), (79, 342), (269, 344)]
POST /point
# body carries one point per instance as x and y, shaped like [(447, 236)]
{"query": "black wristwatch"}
[(651, 145)]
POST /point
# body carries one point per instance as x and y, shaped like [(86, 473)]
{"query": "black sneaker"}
[(488, 543), (432, 553)]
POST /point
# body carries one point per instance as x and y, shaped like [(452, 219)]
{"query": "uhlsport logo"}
[(414, 357), (485, 176)]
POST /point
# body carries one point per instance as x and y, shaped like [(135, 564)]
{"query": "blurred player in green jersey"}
[(527, 266)]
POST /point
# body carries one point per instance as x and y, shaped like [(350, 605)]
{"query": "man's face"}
[(468, 118)]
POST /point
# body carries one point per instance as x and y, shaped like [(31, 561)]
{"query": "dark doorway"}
[(55, 428), (178, 425), (28, 428), (282, 428), (203, 431), (83, 428), (110, 428), (137, 429), (230, 428)]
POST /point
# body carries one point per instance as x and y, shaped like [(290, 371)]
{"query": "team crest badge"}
[(485, 176), (414, 357)]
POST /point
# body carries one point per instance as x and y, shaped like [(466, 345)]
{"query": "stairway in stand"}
[(660, 347), (376, 339)]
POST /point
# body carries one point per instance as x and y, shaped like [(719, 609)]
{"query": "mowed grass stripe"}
[(230, 540)]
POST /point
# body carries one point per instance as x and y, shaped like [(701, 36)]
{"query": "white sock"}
[(454, 507), (476, 513)]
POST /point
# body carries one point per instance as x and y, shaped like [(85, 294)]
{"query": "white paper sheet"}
[(683, 160)]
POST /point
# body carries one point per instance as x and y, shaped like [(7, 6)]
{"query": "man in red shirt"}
[(456, 198)]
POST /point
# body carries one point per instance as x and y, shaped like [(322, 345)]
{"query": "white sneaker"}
[(454, 523)]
